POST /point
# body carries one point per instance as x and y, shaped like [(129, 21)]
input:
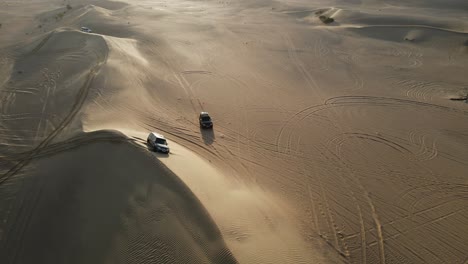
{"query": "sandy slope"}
[(95, 211), (332, 143)]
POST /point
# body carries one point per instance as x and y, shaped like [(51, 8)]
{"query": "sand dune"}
[(84, 212), (341, 142), (27, 120)]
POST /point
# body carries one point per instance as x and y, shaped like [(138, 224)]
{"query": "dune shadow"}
[(207, 135), (105, 199)]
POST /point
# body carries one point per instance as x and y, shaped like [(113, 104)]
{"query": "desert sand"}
[(341, 142)]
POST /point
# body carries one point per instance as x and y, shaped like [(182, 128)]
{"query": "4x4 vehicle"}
[(157, 142), (86, 29), (205, 120)]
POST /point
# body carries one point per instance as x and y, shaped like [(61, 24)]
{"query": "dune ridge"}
[(150, 214), (337, 142)]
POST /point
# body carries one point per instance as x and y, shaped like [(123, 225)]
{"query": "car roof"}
[(204, 113), (157, 135)]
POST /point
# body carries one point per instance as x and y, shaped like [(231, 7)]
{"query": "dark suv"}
[(205, 120)]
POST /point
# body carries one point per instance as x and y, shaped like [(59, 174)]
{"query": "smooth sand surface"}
[(344, 142)]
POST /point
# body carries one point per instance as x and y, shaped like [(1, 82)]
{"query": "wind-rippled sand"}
[(344, 142)]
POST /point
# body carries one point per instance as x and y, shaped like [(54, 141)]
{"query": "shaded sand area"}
[(99, 206), (340, 142)]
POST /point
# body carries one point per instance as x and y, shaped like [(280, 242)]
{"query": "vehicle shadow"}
[(157, 154), (207, 135), (161, 155)]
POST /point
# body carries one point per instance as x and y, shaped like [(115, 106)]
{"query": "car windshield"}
[(161, 141), (205, 118)]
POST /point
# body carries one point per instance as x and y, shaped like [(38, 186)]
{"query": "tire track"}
[(332, 224), (312, 203), (197, 72), (345, 101), (342, 101), (349, 182), (424, 153), (378, 100), (184, 133), (254, 144), (79, 101), (23, 222), (49, 84), (432, 221), (378, 139), (321, 51), (420, 90), (41, 43), (414, 56), (408, 216), (28, 212), (238, 83), (347, 253), (192, 138), (428, 190), (350, 62), (181, 81), (69, 144), (310, 81)]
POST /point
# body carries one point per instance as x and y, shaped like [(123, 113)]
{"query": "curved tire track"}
[(79, 101)]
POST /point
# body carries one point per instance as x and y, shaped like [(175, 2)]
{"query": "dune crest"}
[(339, 131), (85, 213)]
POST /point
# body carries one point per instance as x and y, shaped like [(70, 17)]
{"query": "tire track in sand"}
[(81, 97), (363, 240), (69, 144), (380, 100), (310, 81), (28, 209), (349, 60), (41, 43), (354, 180), (79, 101)]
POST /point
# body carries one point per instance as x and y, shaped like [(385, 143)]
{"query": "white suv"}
[(86, 29), (157, 142)]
